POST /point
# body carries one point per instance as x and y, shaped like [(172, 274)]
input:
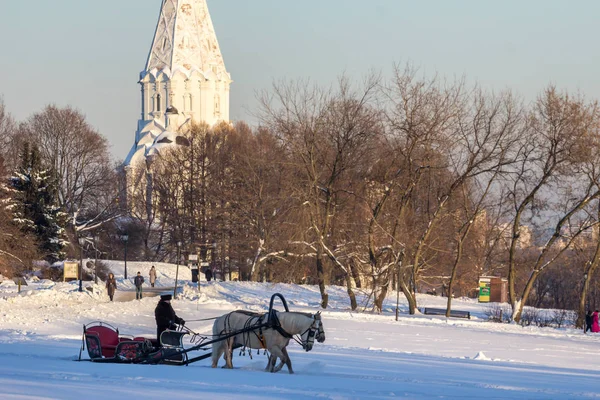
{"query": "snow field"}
[(365, 355)]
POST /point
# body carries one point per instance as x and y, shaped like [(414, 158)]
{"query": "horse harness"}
[(273, 323), (255, 326)]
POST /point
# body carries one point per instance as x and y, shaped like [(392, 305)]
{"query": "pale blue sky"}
[(89, 53)]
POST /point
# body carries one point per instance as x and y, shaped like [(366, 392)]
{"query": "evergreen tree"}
[(17, 248), (36, 209)]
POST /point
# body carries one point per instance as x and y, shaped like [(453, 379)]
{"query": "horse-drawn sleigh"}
[(271, 331)]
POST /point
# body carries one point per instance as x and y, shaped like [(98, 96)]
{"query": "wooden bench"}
[(442, 311)]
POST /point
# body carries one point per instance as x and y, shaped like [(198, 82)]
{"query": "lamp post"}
[(585, 287), (96, 240), (81, 243), (177, 271), (582, 300), (213, 260), (125, 238)]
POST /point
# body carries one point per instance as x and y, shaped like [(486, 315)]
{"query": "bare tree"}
[(79, 156), (553, 150), (327, 134), (260, 203), (420, 112), (9, 149), (497, 121), (589, 270)]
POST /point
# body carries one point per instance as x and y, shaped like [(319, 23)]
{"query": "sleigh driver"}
[(165, 316)]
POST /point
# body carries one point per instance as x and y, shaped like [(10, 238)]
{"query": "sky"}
[(88, 54)]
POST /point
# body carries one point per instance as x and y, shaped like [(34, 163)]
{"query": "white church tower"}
[(184, 80)]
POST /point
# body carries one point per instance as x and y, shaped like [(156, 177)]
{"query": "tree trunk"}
[(581, 314), (321, 279), (519, 307), (410, 297), (459, 252), (380, 298), (350, 285)]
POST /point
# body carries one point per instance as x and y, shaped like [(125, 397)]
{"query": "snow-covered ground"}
[(365, 355)]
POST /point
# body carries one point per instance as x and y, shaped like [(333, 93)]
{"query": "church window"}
[(164, 45), (190, 103), (158, 102), (217, 105)]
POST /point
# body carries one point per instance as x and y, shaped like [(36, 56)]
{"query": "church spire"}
[(185, 40), (184, 79)]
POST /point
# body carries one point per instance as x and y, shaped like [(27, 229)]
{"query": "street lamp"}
[(81, 243), (96, 240), (585, 284), (125, 238), (177, 270), (213, 259)]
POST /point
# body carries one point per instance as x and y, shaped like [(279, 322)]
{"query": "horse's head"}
[(320, 336), (314, 330)]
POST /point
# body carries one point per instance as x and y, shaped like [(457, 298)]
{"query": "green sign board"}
[(484, 290)]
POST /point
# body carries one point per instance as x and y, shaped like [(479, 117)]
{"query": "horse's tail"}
[(216, 353), (221, 326)]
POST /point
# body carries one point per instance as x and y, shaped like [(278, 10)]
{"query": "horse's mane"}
[(295, 323)]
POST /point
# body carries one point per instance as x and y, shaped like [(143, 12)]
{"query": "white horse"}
[(274, 338)]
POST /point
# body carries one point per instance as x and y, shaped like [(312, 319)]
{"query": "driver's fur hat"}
[(166, 296)]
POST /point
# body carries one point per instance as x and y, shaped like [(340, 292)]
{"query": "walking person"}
[(595, 326), (111, 286), (208, 274), (588, 321), (138, 281), (152, 274)]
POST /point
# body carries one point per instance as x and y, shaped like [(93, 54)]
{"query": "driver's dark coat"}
[(165, 318)]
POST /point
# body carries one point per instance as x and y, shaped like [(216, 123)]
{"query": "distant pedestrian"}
[(208, 274), (111, 286), (589, 318), (138, 281), (595, 326), (152, 276)]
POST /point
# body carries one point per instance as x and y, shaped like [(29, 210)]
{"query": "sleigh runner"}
[(105, 344)]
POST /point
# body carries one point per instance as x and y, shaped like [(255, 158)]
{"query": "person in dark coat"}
[(165, 316), (138, 281), (588, 321), (111, 286), (208, 274)]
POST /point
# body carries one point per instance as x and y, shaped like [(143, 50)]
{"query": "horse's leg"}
[(276, 352), (270, 362), (278, 368), (217, 350), (288, 360), (229, 353)]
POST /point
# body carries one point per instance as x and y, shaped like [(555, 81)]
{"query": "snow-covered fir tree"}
[(36, 207)]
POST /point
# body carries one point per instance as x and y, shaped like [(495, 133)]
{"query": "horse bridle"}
[(312, 331), (320, 336)]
